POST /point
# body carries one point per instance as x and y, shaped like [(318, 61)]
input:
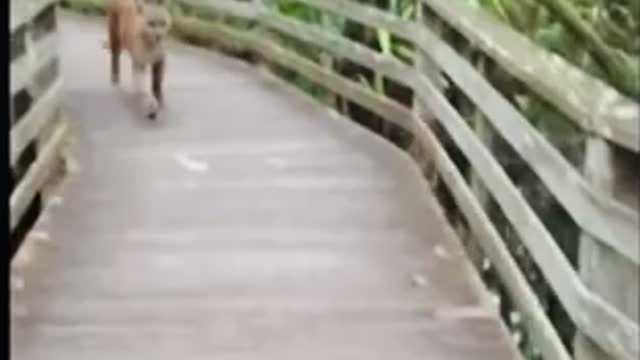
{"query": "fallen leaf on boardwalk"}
[(441, 252), (72, 165), (24, 255), (463, 312), (486, 264), (40, 236), (191, 164), (56, 200), (418, 280)]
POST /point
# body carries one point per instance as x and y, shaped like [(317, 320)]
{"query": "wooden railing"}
[(37, 129), (605, 318)]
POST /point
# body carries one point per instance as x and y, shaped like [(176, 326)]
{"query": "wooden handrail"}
[(590, 103), (34, 121), (36, 91)]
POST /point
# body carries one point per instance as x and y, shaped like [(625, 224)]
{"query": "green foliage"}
[(596, 35)]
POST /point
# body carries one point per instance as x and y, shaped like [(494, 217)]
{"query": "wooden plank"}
[(37, 174), (596, 321), (37, 118), (23, 11), (424, 65), (602, 270), (590, 103), (611, 221), (38, 55)]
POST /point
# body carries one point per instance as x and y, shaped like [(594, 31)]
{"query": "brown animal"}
[(140, 27)]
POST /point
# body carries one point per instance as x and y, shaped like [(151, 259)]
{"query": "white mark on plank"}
[(56, 201), (418, 280), (40, 236), (73, 166), (191, 164), (463, 312), (486, 264), (441, 252)]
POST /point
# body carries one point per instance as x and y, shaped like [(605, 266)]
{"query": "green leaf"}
[(405, 52), (384, 40)]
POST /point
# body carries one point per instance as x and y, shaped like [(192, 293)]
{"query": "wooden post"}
[(261, 34), (481, 128), (326, 60), (613, 171), (425, 65)]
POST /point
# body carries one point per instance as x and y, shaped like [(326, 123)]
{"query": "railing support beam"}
[(609, 275)]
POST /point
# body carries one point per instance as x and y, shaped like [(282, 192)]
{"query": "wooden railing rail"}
[(37, 130), (590, 103)]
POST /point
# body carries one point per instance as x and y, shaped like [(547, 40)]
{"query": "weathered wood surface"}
[(603, 271), (619, 334), (247, 223)]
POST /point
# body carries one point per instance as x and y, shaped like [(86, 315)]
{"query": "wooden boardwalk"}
[(247, 223)]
